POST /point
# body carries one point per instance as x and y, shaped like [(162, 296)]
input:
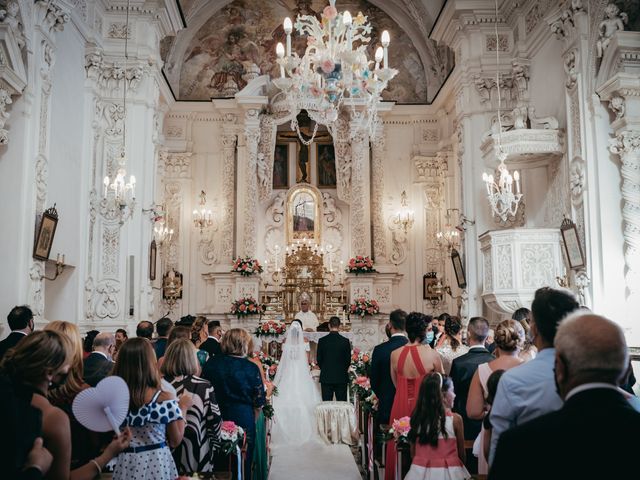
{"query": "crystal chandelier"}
[(334, 70), (448, 238), (504, 202), (202, 218), (162, 232), (119, 194)]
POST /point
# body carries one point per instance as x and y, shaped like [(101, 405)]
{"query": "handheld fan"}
[(104, 407)]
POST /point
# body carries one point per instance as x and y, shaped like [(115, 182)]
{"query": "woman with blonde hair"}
[(238, 386), (156, 417), (509, 338), (203, 420), (40, 360)]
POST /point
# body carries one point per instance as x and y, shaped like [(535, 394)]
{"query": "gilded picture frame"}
[(429, 280), (458, 269), (572, 246), (304, 213), (153, 252), (45, 234)]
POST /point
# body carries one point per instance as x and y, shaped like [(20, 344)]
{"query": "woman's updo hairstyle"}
[(452, 327), (416, 326), (509, 335)]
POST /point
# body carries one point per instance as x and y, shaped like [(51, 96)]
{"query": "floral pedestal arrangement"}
[(247, 312)]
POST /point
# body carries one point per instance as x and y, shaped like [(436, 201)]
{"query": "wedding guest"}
[(590, 436), (528, 391), (144, 329), (212, 344), (156, 417), (409, 365), (436, 435), (490, 343), (380, 370), (492, 388), (528, 351), (509, 341), (163, 327), (42, 360), (121, 337), (98, 365), (238, 386), (176, 333), (21, 324), (450, 344), (334, 358), (260, 453), (87, 343), (440, 323), (199, 334), (181, 368)]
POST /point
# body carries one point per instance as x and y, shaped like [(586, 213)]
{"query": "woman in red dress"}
[(407, 375)]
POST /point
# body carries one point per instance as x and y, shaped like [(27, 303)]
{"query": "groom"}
[(334, 358)]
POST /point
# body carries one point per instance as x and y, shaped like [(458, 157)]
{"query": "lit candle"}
[(280, 54), (379, 56), (516, 177), (386, 39), (288, 27), (347, 20)]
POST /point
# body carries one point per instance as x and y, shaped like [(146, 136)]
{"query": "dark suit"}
[(590, 437), (462, 370), (211, 346), (159, 346), (381, 382), (10, 342), (96, 367), (334, 358)]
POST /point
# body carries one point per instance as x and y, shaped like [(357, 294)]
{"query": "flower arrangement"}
[(246, 306), (364, 306), (400, 429), (231, 436), (360, 264), (269, 365), (246, 266), (360, 362), (270, 327), (370, 403)]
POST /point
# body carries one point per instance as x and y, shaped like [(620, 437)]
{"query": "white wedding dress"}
[(298, 394)]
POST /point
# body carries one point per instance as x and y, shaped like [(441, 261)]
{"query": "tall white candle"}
[(386, 39), (280, 54), (288, 27)]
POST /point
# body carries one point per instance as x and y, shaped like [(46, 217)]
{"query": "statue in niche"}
[(615, 21)]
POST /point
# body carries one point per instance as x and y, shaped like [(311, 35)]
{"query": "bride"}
[(298, 394)]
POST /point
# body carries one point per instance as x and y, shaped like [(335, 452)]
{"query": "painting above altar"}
[(303, 214)]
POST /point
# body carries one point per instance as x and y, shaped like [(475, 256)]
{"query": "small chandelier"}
[(162, 232), (504, 202), (202, 218), (334, 69), (448, 238), (404, 218)]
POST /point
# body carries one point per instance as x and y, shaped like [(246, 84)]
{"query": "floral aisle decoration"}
[(400, 429), (246, 306), (360, 264), (359, 378), (270, 328), (246, 266), (231, 437), (364, 306), (269, 365)]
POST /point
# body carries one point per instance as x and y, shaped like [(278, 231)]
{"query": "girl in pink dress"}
[(437, 436)]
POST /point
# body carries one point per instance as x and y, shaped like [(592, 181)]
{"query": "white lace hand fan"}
[(104, 407)]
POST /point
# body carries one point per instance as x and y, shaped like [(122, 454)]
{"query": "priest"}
[(306, 316)]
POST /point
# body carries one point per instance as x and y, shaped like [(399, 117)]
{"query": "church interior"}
[(169, 158)]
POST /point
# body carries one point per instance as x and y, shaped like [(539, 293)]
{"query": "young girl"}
[(437, 436), (492, 388)]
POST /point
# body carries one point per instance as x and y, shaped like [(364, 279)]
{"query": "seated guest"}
[(21, 324), (99, 364), (238, 386), (590, 437), (43, 359), (87, 343), (181, 368), (156, 417), (163, 326), (144, 330), (212, 344)]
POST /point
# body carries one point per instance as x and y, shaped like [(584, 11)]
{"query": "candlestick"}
[(385, 40)]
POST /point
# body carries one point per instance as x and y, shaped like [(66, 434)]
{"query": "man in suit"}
[(21, 324), (163, 327), (334, 358), (144, 329), (99, 364), (212, 344), (381, 382), (591, 436)]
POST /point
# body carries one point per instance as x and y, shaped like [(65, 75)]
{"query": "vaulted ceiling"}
[(226, 42)]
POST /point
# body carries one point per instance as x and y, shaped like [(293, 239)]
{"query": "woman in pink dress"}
[(437, 435), (407, 374)]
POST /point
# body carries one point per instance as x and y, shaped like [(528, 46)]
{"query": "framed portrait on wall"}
[(281, 166), (326, 161), (458, 269), (572, 245), (45, 234), (429, 281), (153, 251)]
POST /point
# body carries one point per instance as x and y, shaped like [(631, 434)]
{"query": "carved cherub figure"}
[(615, 21)]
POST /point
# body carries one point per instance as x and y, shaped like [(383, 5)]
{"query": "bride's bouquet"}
[(231, 436), (364, 306), (270, 327)]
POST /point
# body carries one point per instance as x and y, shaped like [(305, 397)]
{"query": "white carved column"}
[(377, 194), (229, 140), (359, 212), (248, 186)]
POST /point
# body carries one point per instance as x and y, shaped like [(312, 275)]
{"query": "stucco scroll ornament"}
[(483, 87), (54, 17), (332, 214), (614, 21), (617, 106), (105, 299), (5, 100), (577, 180), (582, 281), (36, 273), (10, 16), (275, 213), (626, 142), (570, 69)]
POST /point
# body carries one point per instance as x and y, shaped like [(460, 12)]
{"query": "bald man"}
[(592, 435), (99, 364)]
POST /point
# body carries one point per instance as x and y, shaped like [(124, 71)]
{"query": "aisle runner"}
[(318, 462)]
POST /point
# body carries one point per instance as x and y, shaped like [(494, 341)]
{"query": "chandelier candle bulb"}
[(348, 20), (386, 39), (280, 54), (288, 27), (516, 177)]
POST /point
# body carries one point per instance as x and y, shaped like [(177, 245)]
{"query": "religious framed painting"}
[(303, 214), (326, 161), (572, 246), (45, 234), (153, 251), (281, 166), (458, 269), (429, 281)]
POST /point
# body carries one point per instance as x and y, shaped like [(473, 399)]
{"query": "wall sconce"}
[(202, 218), (60, 266), (404, 218), (433, 288), (449, 237), (162, 232), (171, 288)]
